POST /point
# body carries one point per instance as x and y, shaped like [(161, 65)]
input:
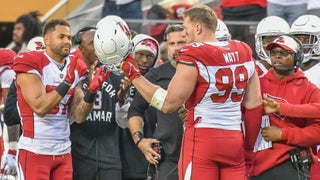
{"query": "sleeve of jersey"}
[(252, 122), (186, 56), (138, 106), (304, 137), (26, 62)]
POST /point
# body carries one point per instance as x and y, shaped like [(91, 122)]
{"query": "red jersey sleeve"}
[(29, 61), (6, 57), (188, 54)]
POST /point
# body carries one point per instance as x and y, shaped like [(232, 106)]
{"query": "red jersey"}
[(224, 69), (294, 89)]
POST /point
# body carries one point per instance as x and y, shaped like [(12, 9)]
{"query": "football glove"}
[(130, 68)]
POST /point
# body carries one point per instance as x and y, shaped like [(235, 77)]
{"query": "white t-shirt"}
[(288, 2), (122, 2), (313, 4), (6, 77)]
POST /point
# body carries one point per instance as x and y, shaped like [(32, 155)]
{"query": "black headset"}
[(299, 54), (77, 37)]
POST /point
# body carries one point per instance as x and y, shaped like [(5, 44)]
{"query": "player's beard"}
[(172, 59), (62, 52)]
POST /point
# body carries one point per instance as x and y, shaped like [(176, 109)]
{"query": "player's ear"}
[(199, 28)]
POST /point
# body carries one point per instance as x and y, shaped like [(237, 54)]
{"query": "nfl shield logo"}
[(61, 76)]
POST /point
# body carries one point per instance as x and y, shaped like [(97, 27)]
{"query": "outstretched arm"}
[(180, 88), (311, 110)]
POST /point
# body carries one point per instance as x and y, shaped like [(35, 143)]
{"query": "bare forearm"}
[(45, 103), (79, 109), (40, 99), (252, 96), (82, 112), (135, 124)]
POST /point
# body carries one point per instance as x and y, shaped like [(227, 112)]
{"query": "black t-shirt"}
[(96, 141), (11, 115)]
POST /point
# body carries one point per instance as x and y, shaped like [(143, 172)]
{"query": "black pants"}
[(167, 170), (85, 171), (284, 171)]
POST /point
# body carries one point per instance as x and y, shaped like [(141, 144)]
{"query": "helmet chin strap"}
[(284, 68)]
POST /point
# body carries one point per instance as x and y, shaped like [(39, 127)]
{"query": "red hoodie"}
[(296, 132)]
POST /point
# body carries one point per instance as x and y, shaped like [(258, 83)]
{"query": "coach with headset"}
[(283, 148)]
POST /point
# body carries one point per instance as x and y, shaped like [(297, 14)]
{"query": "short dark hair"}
[(51, 25), (76, 39), (157, 12), (172, 28)]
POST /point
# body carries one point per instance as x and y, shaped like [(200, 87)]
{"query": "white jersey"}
[(313, 75), (6, 76), (49, 134)]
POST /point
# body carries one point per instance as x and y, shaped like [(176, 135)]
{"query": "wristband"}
[(89, 97), (13, 145), (12, 152), (139, 136), (158, 98), (63, 88)]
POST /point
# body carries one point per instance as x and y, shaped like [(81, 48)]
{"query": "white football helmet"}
[(36, 44), (112, 42), (272, 26), (222, 31), (307, 29)]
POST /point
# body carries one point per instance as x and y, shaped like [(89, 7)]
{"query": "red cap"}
[(285, 42)]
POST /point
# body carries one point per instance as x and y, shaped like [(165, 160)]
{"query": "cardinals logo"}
[(150, 43), (39, 46), (278, 99), (36, 44), (125, 29), (280, 40)]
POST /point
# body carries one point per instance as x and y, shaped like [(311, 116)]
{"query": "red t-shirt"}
[(236, 3)]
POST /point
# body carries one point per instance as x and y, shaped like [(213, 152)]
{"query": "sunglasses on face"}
[(282, 53)]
